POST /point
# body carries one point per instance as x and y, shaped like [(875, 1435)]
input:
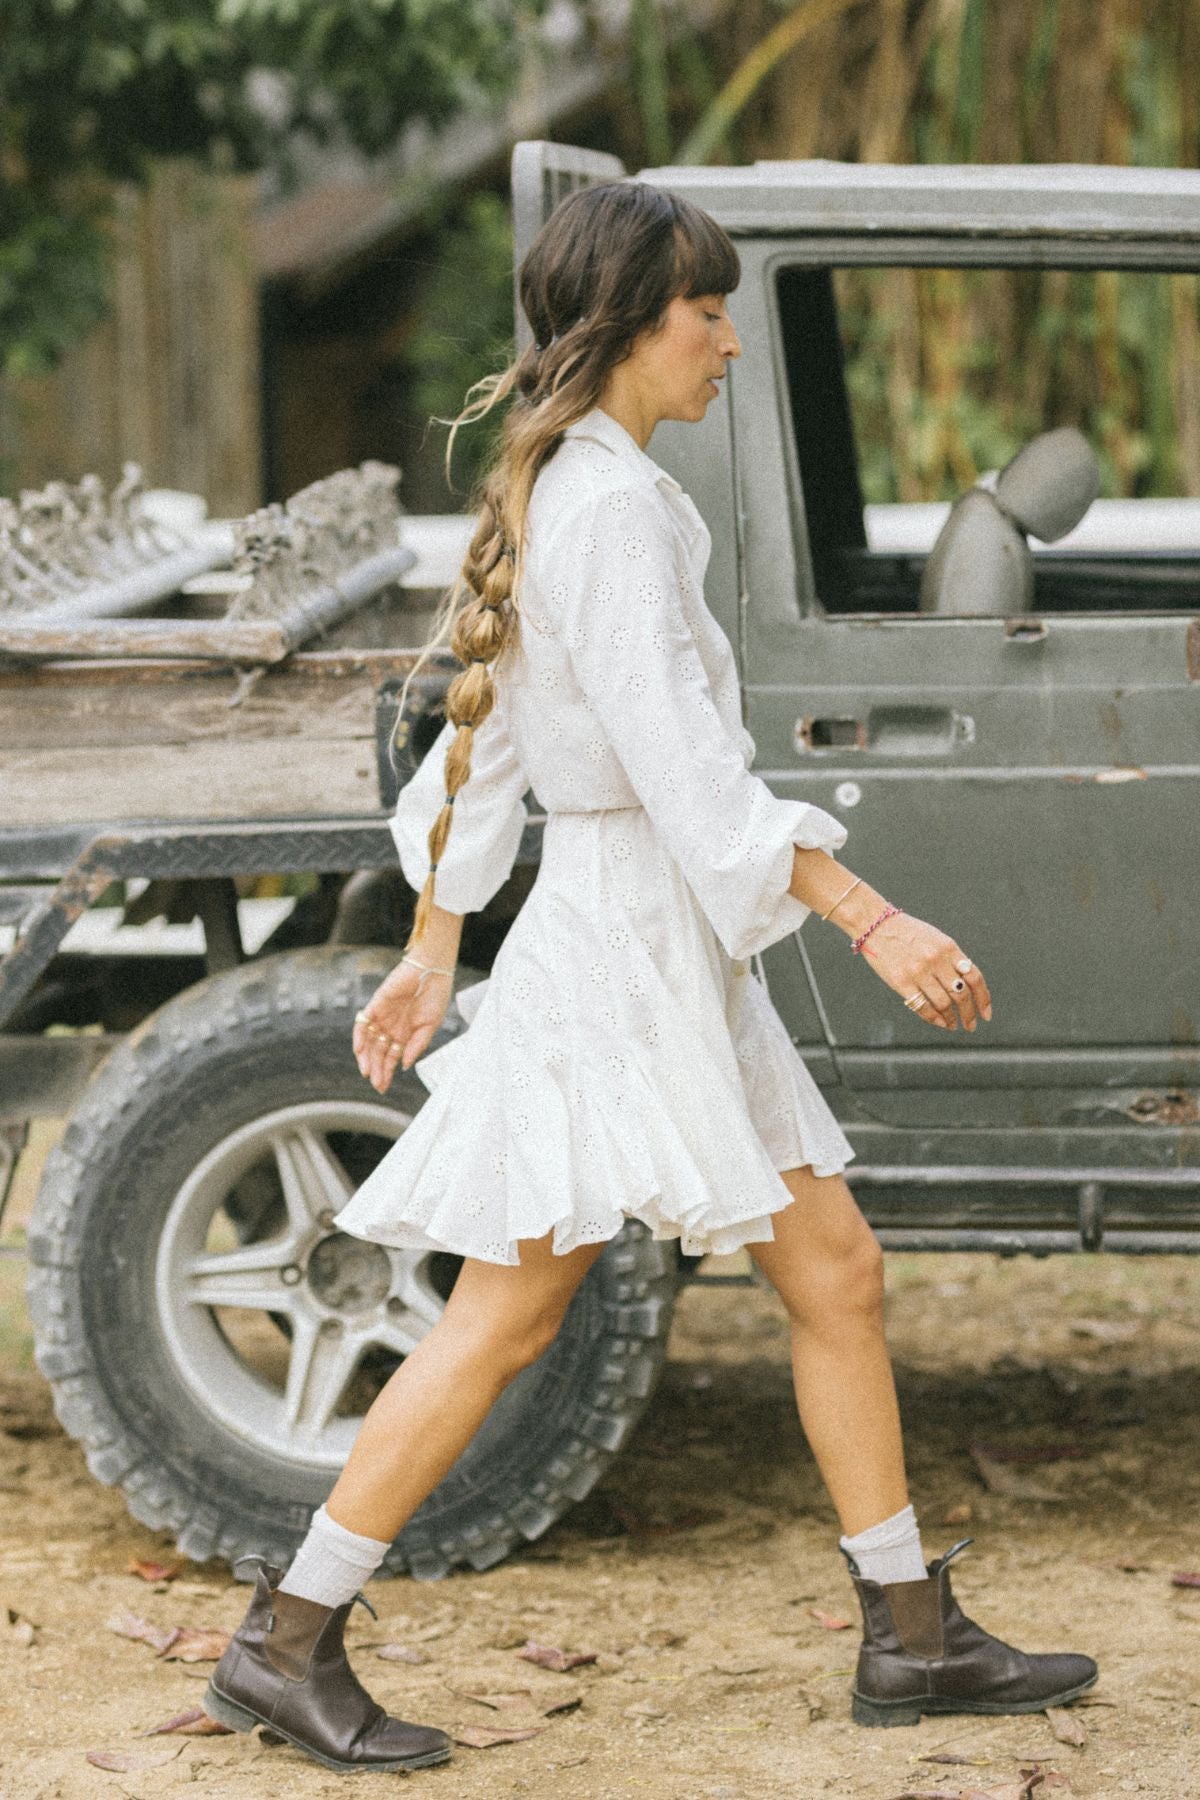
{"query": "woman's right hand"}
[(914, 957), (396, 1024)]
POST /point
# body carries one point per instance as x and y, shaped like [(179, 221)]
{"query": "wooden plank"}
[(94, 715), (246, 641), (217, 779), (380, 661)]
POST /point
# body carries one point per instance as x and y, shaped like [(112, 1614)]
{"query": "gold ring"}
[(915, 1000)]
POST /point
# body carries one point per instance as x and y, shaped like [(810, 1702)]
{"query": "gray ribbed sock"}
[(889, 1551), (332, 1563)]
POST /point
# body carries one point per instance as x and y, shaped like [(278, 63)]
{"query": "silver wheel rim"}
[(341, 1295)]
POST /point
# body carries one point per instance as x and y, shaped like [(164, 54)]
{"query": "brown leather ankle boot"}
[(286, 1668), (921, 1654)]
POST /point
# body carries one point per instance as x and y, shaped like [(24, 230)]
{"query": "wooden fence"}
[(171, 379)]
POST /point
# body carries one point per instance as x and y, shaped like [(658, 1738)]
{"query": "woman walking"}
[(621, 1060)]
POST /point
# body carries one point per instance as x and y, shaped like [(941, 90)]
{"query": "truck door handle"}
[(906, 730)]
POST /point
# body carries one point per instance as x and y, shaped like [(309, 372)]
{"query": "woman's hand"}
[(396, 1024), (916, 958)]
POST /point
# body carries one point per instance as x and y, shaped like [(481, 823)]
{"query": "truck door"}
[(1029, 783)]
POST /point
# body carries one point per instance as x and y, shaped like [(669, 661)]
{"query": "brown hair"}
[(602, 269)]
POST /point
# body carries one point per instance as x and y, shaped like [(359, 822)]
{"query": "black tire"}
[(203, 1073)]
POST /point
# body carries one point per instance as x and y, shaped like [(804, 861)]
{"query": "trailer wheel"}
[(212, 1343)]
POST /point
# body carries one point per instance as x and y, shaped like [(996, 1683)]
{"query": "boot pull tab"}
[(361, 1596)]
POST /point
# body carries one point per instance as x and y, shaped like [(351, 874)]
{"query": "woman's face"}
[(678, 364)]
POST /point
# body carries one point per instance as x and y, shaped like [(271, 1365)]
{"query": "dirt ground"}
[(696, 1569)]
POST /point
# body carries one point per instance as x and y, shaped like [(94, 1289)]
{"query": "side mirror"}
[(981, 562)]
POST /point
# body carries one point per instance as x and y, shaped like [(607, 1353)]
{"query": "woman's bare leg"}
[(497, 1320), (827, 1267)]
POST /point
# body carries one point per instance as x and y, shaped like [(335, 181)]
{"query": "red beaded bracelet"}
[(887, 912)]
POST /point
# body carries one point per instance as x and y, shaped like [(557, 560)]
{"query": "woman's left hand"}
[(396, 1024)]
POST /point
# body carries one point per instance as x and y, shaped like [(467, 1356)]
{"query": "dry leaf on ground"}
[(547, 1656), (482, 1737), (1019, 1789), (197, 1643), (129, 1625), (961, 1514), (405, 1653), (1185, 1578), (132, 1762), (1066, 1727), (195, 1722), (829, 1621), (928, 1794), (174, 1643), (155, 1571), (522, 1700)]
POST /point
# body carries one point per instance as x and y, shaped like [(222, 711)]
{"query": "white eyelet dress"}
[(620, 1060)]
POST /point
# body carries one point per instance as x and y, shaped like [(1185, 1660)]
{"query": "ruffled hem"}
[(614, 1066), (474, 1175)]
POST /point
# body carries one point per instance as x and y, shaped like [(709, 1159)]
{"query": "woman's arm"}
[(908, 954)]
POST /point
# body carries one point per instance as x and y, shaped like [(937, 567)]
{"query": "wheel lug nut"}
[(290, 1275)]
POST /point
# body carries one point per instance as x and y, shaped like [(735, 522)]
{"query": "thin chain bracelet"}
[(887, 913), (840, 898), (427, 970)]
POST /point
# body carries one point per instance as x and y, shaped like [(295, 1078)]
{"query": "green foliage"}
[(464, 327), (951, 371), (53, 285), (89, 89)]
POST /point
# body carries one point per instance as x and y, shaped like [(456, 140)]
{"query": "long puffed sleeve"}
[(489, 817), (617, 580)]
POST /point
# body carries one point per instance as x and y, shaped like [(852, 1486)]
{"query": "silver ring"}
[(956, 987)]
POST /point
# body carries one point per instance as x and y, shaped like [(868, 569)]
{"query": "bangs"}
[(705, 259)]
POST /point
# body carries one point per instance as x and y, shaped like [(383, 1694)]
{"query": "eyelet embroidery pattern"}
[(611, 1066)]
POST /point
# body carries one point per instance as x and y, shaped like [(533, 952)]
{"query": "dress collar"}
[(604, 429)]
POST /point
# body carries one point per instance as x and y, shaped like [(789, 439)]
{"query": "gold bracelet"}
[(841, 897)]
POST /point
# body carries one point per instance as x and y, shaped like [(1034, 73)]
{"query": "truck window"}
[(908, 385)]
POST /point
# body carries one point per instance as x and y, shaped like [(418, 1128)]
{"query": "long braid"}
[(483, 630)]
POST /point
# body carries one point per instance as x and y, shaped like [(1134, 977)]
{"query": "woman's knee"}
[(497, 1338), (843, 1282), (509, 1317)]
